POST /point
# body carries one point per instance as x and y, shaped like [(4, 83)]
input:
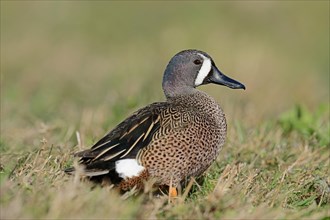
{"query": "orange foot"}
[(172, 194)]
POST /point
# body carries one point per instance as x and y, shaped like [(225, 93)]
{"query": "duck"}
[(169, 141)]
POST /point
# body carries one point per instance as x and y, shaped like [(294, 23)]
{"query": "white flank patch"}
[(204, 71), (128, 168)]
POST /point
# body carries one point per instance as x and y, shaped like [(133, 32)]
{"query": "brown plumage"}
[(167, 141)]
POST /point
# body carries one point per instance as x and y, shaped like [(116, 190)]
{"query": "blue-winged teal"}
[(169, 141)]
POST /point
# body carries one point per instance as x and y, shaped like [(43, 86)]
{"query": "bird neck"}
[(175, 89)]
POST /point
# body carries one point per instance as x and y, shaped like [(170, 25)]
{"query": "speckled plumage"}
[(171, 140), (191, 134)]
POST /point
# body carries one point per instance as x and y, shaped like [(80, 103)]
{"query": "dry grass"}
[(80, 68), (265, 175)]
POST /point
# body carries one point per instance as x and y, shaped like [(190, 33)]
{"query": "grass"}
[(272, 174), (72, 71)]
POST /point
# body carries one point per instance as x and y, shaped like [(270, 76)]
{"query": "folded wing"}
[(123, 142)]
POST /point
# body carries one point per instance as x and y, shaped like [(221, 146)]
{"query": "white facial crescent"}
[(204, 71)]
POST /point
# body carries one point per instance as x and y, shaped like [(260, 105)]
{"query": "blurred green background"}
[(68, 65)]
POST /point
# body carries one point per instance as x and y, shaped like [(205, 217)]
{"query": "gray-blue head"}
[(191, 68)]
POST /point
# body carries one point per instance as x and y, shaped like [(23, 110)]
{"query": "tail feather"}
[(89, 168), (86, 154), (70, 170), (87, 172)]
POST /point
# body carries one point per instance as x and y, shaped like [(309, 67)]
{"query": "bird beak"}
[(217, 77)]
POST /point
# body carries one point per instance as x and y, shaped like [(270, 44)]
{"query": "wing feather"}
[(124, 141)]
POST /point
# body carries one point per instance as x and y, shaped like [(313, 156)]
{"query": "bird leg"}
[(172, 192)]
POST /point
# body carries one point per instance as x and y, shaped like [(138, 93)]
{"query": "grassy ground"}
[(70, 71)]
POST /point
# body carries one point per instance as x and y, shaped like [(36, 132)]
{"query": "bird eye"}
[(197, 62)]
